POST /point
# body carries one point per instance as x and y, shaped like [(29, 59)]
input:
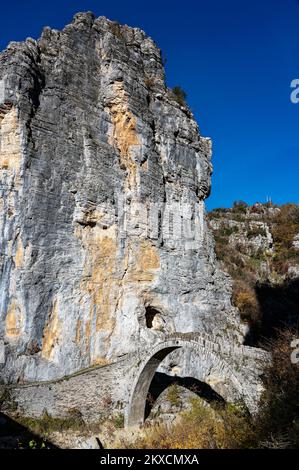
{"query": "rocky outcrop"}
[(104, 243), (296, 242), (262, 238), (257, 247)]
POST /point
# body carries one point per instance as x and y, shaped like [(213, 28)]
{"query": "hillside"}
[(259, 247)]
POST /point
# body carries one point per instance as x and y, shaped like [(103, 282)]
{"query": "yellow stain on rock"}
[(146, 262), (144, 165), (100, 281), (124, 133), (19, 256), (10, 141), (52, 332), (10, 157), (78, 331), (105, 275), (88, 333), (148, 256), (14, 320), (100, 361)]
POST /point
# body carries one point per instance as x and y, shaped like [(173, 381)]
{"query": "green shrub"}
[(119, 421), (227, 231), (244, 298), (202, 427), (255, 232), (180, 95), (240, 206), (278, 421), (173, 396)]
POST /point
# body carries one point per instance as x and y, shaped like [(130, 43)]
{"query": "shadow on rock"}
[(16, 436), (279, 310)]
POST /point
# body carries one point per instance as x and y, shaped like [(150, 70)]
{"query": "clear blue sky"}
[(234, 58)]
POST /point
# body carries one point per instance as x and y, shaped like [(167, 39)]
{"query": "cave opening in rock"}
[(153, 318)]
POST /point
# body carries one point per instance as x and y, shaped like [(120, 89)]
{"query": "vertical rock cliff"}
[(103, 174)]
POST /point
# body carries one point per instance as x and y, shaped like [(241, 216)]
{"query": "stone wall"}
[(101, 392)]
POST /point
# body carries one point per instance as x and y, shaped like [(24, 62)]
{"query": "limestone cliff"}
[(92, 146)]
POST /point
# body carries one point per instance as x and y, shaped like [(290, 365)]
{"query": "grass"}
[(201, 427), (46, 423), (173, 396), (255, 232), (119, 421), (73, 421)]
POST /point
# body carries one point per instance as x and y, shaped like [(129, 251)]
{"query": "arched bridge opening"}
[(138, 406), (162, 381), (136, 410)]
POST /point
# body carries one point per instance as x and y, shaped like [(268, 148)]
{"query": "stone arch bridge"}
[(122, 387)]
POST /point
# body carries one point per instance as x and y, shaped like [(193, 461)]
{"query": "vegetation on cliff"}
[(257, 245)]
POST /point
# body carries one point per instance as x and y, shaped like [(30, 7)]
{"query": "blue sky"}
[(235, 59)]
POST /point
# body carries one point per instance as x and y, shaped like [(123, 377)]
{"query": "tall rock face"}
[(103, 176)]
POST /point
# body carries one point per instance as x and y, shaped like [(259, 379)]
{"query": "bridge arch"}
[(136, 407), (135, 412)]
